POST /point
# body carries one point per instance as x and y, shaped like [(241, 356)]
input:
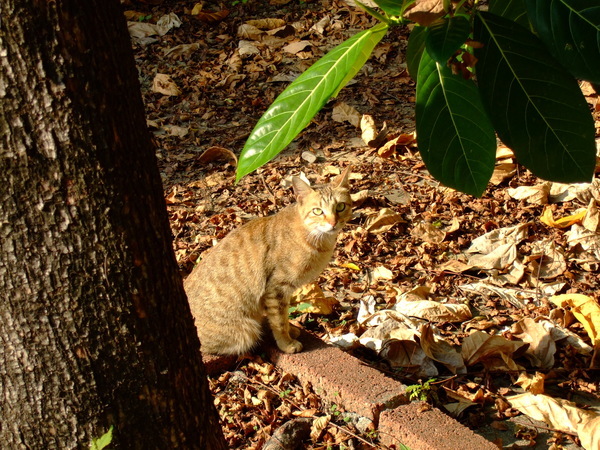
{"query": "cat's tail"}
[(231, 337)]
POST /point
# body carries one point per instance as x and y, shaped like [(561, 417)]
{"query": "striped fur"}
[(254, 270)]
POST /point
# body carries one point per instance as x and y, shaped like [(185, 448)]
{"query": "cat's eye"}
[(317, 211), (340, 207)]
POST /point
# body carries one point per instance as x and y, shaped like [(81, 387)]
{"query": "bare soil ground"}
[(418, 247)]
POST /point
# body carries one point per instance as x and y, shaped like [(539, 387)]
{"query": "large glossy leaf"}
[(535, 105), (571, 30), (514, 10), (414, 50), (393, 7), (445, 36), (295, 107), (455, 137)]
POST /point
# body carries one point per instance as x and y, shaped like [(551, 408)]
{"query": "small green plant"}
[(103, 441), (285, 393), (372, 434), (335, 411), (145, 18), (237, 2), (298, 309), (421, 391)]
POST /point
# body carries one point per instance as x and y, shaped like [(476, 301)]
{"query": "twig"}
[(554, 430), (278, 393), (264, 182)]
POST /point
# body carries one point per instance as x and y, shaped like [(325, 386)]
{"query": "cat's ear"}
[(342, 179), (301, 187)]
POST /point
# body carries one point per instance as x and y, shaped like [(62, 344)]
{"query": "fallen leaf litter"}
[(495, 298)]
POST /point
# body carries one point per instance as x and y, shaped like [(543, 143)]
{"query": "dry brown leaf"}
[(489, 241), (139, 30), (397, 196), (560, 192), (174, 130), (217, 153), (319, 27), (167, 22), (282, 32), (428, 232), (541, 345), (247, 48), (425, 12), (346, 341), (389, 148), (249, 32), (182, 50), (591, 221), (515, 296), (503, 152), (319, 424), (342, 112), (306, 412), (208, 16), (440, 350), (585, 309), (499, 258), (163, 84), (312, 294), (534, 384), (410, 356), (368, 129), (197, 8), (553, 261), (502, 172), (479, 346), (454, 266), (308, 156), (383, 221), (457, 408), (434, 311), (382, 273), (562, 415), (297, 47), (267, 24), (536, 195)]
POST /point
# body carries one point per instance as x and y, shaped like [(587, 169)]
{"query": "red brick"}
[(340, 378), (420, 427)]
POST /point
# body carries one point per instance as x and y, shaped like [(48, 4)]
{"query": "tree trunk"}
[(95, 329)]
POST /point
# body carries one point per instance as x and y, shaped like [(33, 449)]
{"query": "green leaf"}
[(414, 50), (445, 36), (394, 7), (455, 138), (103, 441), (535, 105), (571, 30), (295, 107), (514, 10)]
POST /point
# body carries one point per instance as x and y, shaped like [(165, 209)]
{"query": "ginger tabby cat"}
[(254, 270)]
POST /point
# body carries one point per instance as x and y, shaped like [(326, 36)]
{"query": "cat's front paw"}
[(291, 347)]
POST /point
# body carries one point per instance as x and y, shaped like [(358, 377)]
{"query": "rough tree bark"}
[(95, 329)]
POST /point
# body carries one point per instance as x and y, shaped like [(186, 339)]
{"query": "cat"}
[(254, 270)]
